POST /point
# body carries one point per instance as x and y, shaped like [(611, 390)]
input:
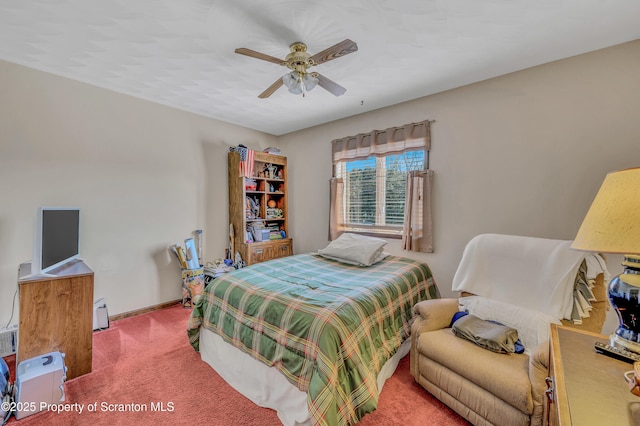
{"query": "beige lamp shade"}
[(612, 224)]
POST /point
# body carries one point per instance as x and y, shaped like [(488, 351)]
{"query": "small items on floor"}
[(192, 271)]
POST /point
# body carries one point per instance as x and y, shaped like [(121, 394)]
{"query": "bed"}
[(309, 336)]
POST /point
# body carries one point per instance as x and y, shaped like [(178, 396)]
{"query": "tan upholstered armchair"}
[(484, 387)]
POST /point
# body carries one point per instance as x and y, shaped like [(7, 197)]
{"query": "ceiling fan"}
[(300, 80)]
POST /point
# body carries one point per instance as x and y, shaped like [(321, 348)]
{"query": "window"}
[(381, 185), (374, 191)]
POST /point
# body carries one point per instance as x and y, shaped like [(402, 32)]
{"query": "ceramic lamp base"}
[(620, 342), (624, 292)]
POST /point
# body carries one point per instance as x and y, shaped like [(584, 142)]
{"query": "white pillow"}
[(533, 326), (354, 249), (380, 257)]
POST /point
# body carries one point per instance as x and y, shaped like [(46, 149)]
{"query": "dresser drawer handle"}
[(258, 251), (549, 391)]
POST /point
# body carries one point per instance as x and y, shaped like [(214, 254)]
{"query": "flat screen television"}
[(56, 238)]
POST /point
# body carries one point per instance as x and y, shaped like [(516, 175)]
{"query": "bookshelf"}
[(258, 201)]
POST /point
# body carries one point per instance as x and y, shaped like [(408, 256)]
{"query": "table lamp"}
[(612, 225)]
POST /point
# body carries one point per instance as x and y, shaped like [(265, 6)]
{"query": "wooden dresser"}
[(56, 314), (587, 388)]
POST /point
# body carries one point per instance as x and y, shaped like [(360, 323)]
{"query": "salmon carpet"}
[(146, 362)]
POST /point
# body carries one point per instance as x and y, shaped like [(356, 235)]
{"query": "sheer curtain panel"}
[(336, 215), (417, 232)]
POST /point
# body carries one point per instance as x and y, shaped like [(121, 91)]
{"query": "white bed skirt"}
[(265, 385)]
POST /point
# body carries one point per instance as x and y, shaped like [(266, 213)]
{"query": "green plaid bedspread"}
[(327, 326)]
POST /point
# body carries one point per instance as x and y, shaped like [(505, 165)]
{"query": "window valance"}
[(413, 136)]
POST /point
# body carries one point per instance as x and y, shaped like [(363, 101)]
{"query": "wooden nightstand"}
[(587, 388)]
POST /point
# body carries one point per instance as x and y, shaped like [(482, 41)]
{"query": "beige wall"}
[(519, 154), (145, 176)]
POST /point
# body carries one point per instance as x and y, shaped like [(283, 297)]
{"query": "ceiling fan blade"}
[(271, 89), (258, 55), (329, 85), (343, 48)]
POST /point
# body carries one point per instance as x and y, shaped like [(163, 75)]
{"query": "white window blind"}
[(374, 191)]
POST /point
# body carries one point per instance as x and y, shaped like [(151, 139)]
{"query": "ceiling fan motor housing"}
[(299, 60)]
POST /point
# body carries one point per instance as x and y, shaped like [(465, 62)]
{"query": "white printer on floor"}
[(39, 383)]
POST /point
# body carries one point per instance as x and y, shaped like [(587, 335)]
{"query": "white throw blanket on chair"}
[(535, 273)]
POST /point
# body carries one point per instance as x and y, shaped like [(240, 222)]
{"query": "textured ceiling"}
[(181, 53)]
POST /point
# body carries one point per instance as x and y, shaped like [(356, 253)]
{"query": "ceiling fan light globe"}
[(297, 90), (309, 82), (296, 83), (290, 80)]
